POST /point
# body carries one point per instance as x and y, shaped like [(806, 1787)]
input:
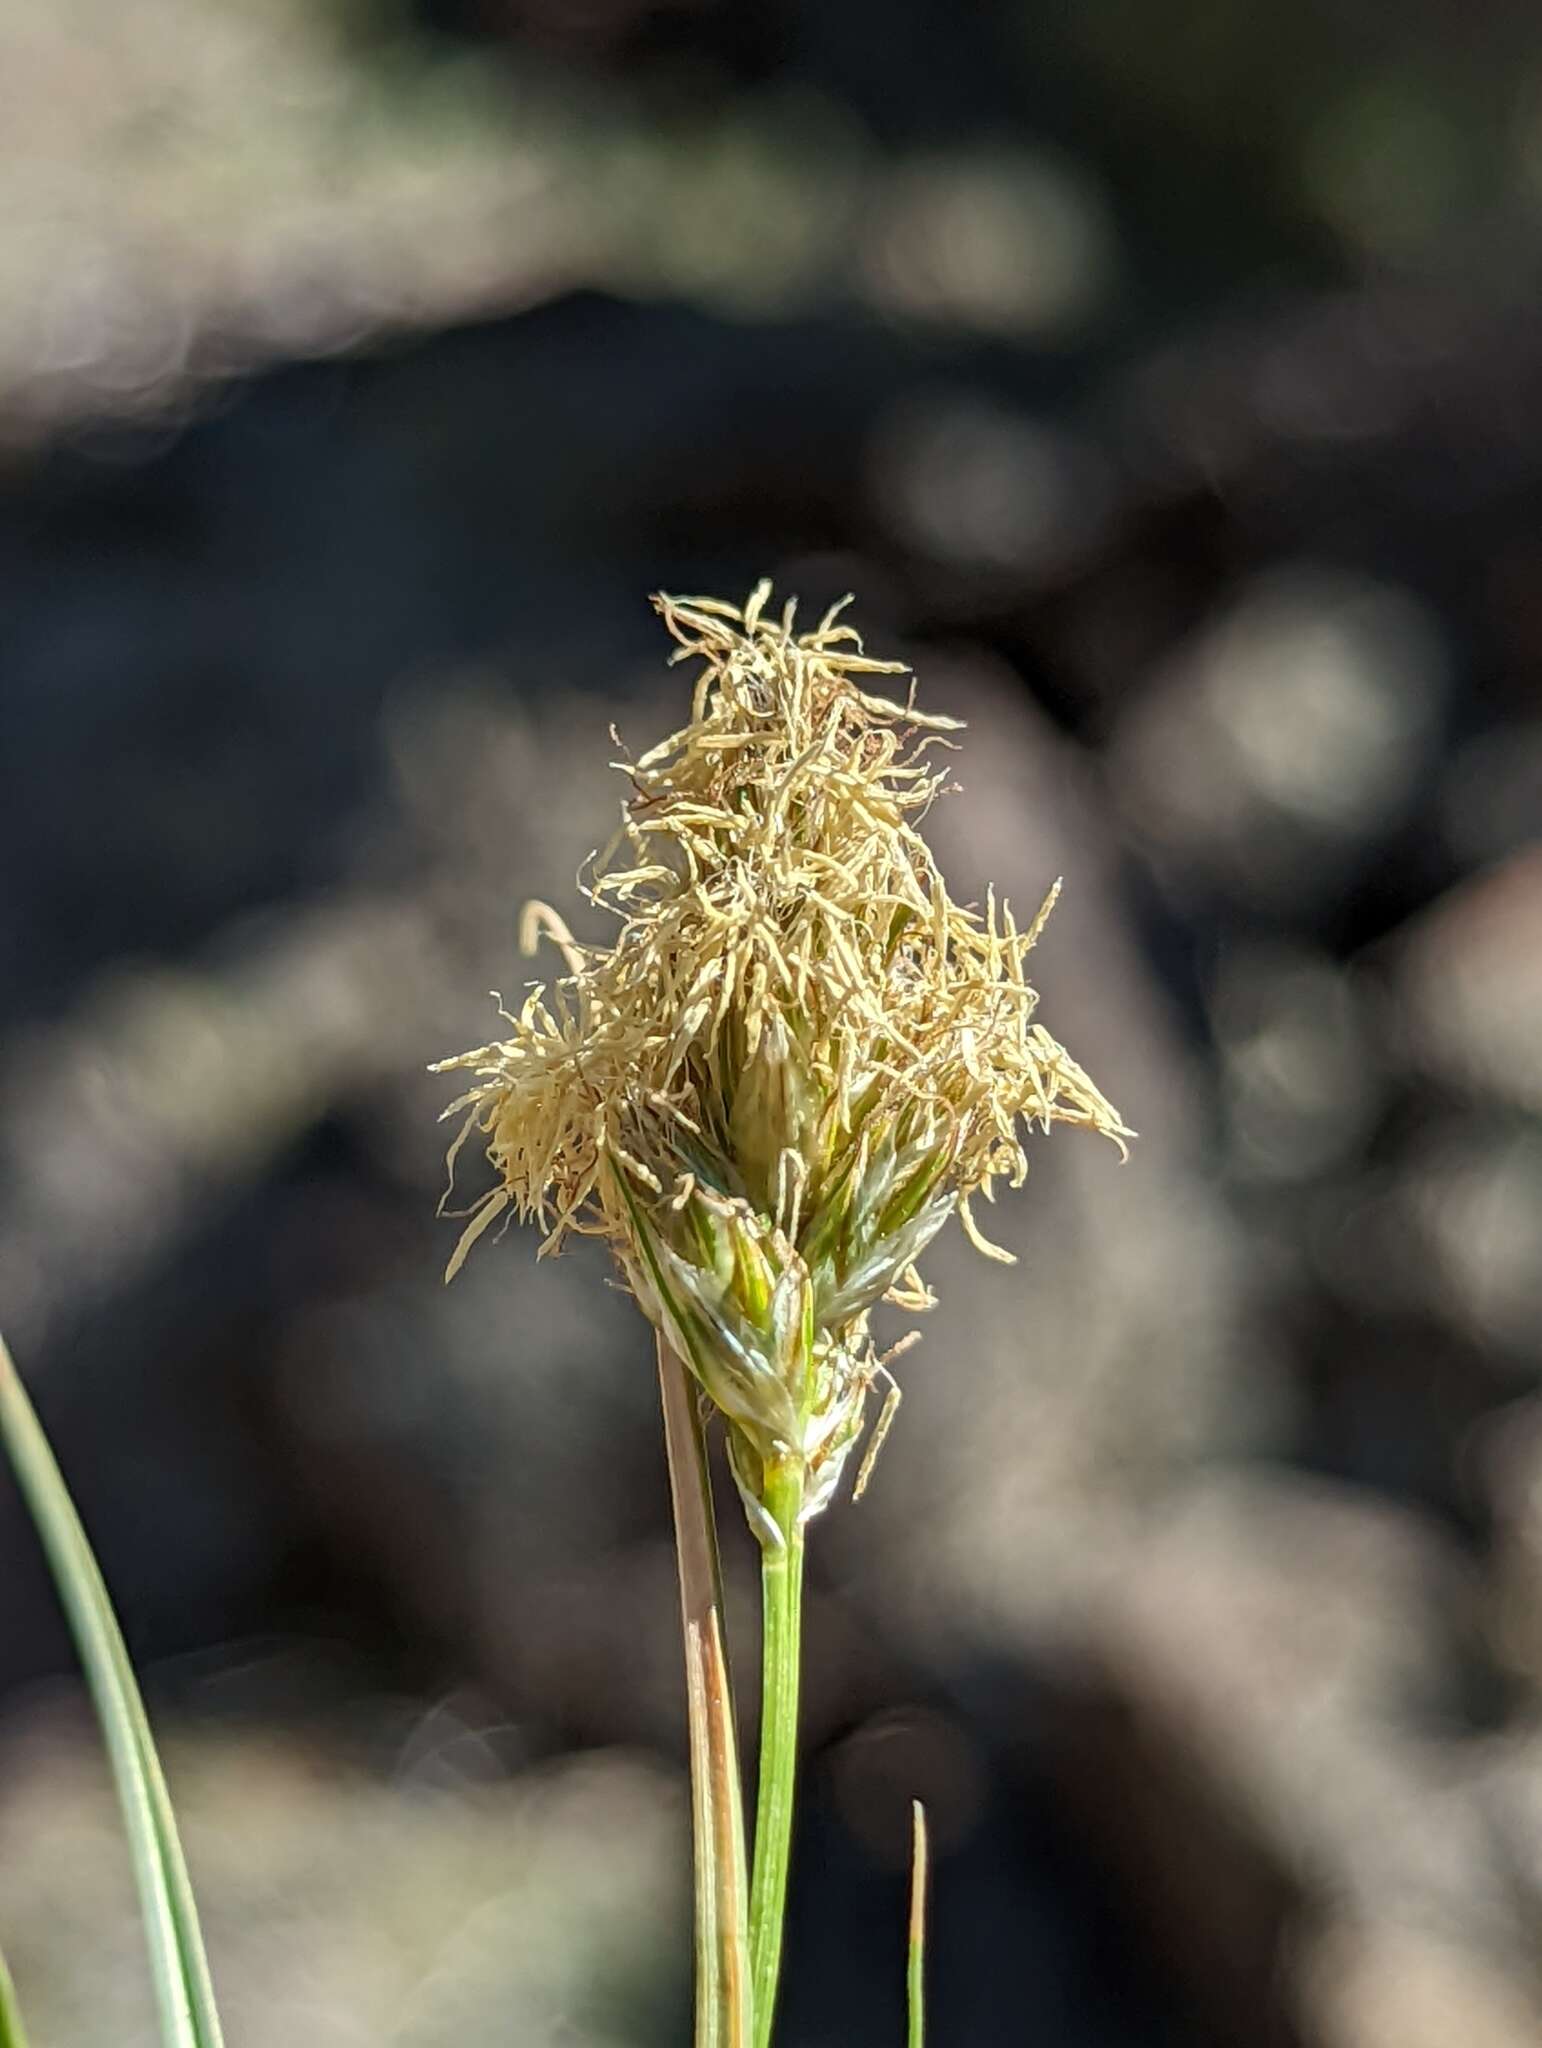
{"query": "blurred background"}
[(1166, 383)]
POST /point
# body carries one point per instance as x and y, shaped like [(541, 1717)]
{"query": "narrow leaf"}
[(12, 2033), (178, 1965)]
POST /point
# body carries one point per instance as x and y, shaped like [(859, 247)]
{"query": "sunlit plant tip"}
[(798, 1057)]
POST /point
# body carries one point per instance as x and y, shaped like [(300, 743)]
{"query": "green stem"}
[(782, 1635), (915, 1972), (717, 1805)]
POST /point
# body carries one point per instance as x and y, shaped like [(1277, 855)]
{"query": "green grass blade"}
[(12, 2032), (180, 1970), (915, 1973)]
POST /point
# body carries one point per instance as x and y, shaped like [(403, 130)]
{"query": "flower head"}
[(798, 1057)]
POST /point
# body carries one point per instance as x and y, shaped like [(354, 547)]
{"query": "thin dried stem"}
[(717, 1809)]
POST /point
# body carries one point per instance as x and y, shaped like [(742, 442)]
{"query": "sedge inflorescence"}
[(799, 1056)]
